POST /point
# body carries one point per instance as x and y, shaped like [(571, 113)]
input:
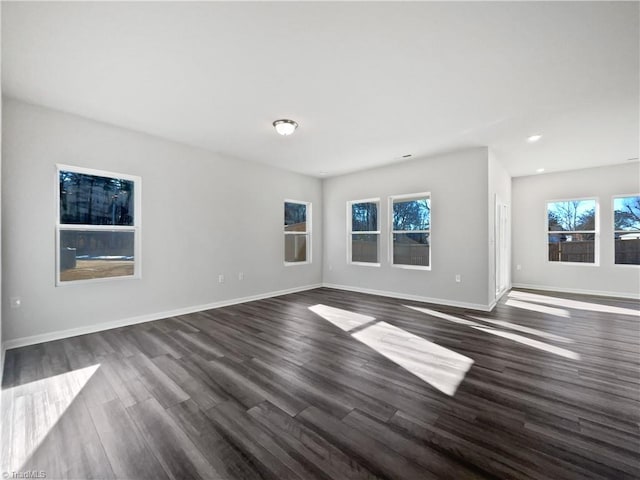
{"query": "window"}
[(571, 231), (97, 226), (410, 230), (626, 218), (364, 232), (297, 232)]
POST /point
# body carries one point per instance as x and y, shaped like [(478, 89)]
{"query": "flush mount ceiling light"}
[(285, 127), (534, 138), (540, 170)]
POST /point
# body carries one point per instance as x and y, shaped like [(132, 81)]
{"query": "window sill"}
[(293, 264), (411, 267), (88, 281), (365, 264), (578, 264)]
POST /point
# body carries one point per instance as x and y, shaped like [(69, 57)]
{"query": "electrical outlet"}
[(241, 276), (15, 302), (220, 278), (458, 279)]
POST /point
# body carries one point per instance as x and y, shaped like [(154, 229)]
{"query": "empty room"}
[(320, 240)]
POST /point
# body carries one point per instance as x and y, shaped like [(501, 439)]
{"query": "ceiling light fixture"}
[(534, 138), (285, 127), (540, 170)]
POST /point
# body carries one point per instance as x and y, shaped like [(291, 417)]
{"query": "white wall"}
[(190, 234), (202, 215), (1, 297), (459, 191), (530, 235), (500, 187)]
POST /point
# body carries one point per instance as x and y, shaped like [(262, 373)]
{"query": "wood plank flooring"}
[(333, 385)]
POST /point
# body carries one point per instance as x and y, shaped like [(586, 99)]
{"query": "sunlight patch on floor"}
[(22, 430), (524, 329), (343, 319), (534, 307), (575, 304), (444, 316), (563, 352), (440, 367)]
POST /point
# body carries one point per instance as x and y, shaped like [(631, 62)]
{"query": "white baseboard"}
[(416, 298), (634, 296), (72, 332), (493, 304)]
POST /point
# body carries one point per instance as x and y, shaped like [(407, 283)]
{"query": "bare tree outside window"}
[(626, 217), (411, 230), (364, 232), (571, 227)]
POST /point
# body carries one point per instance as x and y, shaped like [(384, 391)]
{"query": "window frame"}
[(351, 233), (409, 196), (595, 232), (613, 224), (135, 228), (306, 233)]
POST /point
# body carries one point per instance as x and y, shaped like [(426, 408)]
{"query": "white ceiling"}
[(367, 82)]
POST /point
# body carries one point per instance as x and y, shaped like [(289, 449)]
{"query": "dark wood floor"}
[(273, 389)]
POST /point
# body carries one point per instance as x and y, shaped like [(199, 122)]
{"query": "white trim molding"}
[(87, 228), (547, 288), (351, 232), (307, 233), (3, 350), (73, 332), (416, 298), (496, 300), (401, 199), (595, 232)]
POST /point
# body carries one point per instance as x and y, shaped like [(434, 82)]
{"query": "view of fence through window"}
[(626, 217), (411, 230), (96, 226), (365, 232), (296, 232), (572, 231)]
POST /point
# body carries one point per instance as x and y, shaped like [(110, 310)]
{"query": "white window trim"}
[(350, 232), (307, 232), (596, 232), (135, 228), (613, 226), (408, 196)]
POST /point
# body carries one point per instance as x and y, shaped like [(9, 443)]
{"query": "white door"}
[(502, 246)]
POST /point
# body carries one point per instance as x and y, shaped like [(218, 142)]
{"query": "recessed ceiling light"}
[(534, 138), (540, 170), (285, 127)]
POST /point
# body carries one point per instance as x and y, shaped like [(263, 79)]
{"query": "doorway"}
[(502, 247)]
